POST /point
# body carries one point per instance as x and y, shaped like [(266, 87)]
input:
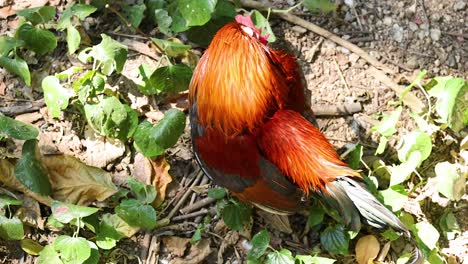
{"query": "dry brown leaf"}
[(75, 182), (101, 150), (230, 239), (7, 177), (161, 179), (367, 249), (30, 213), (176, 245), (278, 222), (142, 169), (198, 253), (5, 12)]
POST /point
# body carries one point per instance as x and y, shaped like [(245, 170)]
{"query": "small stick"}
[(203, 211), (186, 195), (342, 76), (203, 202), (29, 107), (145, 245), (336, 110)]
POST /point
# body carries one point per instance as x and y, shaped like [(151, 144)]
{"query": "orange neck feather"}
[(235, 85)]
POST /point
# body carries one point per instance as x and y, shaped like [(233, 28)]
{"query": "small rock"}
[(387, 20), (435, 34), (459, 5), (299, 29), (451, 62), (437, 62), (375, 54), (348, 16), (412, 26), (353, 58), (397, 33), (412, 62)]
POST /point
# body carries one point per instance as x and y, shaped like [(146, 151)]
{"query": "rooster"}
[(252, 132)]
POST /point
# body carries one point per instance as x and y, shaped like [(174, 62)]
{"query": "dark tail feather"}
[(355, 203)]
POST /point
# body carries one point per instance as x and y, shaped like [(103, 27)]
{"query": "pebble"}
[(451, 62), (412, 26), (435, 34), (299, 29), (413, 62), (459, 5), (387, 20), (397, 33), (353, 58)]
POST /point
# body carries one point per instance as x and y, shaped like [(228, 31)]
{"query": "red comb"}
[(245, 20)]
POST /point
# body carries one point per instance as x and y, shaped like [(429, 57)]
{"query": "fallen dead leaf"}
[(29, 117), (100, 150), (197, 254), (142, 169), (30, 213), (75, 182), (176, 245), (367, 249), (161, 179), (6, 11), (278, 222), (7, 177), (230, 239)]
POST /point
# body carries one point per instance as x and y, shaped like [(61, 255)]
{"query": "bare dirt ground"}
[(406, 36)]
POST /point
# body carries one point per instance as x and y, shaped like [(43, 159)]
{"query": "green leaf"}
[(262, 23), (427, 234), (179, 24), (111, 118), (382, 145), (81, 11), (236, 214), (65, 212), (6, 200), (450, 181), (16, 129), (391, 235), (315, 6), (108, 235), (403, 259), (416, 141), (18, 67), (89, 86), (144, 193), (224, 9), (316, 214), (134, 14), (136, 214), (7, 44), (169, 79), (31, 247), (417, 81), (171, 48), (73, 39), (152, 141), (217, 193), (354, 158), (163, 20), (202, 35), (449, 225), (335, 240), (260, 242), (197, 235), (38, 40), (400, 173), (49, 256), (196, 13), (29, 170), (451, 105), (283, 256), (55, 96), (73, 250), (38, 15), (110, 54), (94, 258), (395, 197), (387, 125), (307, 259), (11, 228)]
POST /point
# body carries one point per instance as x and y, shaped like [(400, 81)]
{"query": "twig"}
[(203, 211), (23, 108), (337, 110), (186, 195), (342, 76), (320, 31), (145, 245), (197, 205)]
